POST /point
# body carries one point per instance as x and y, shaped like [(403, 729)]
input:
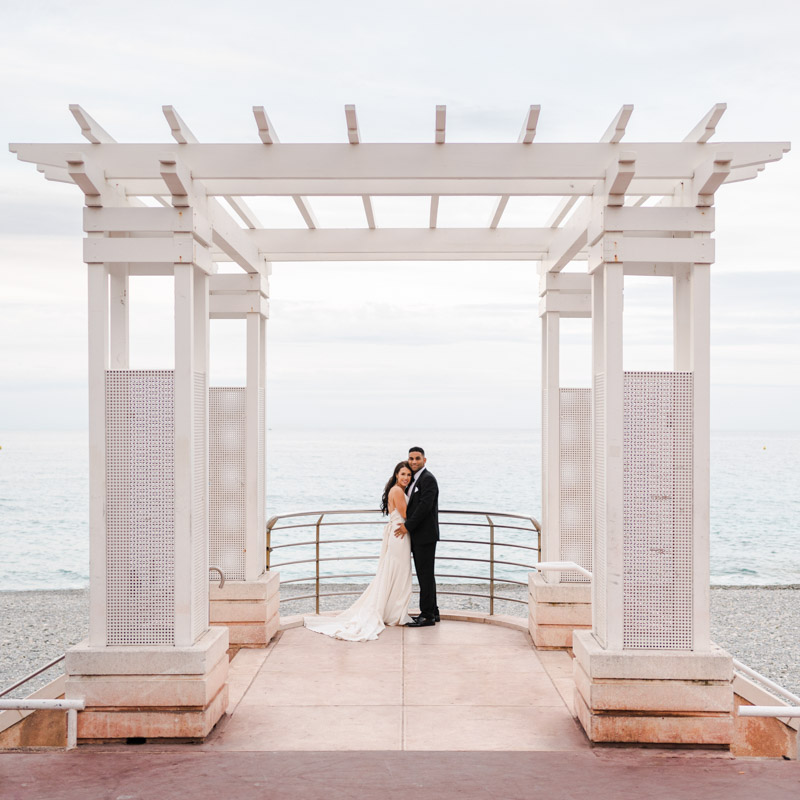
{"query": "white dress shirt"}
[(413, 483)]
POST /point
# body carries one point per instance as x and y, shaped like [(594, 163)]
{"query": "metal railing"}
[(492, 520)]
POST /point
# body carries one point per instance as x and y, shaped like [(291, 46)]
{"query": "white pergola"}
[(625, 464)]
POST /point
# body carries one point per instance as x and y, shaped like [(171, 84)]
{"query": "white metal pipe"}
[(35, 705), (769, 711), (779, 690), (72, 728), (562, 566)]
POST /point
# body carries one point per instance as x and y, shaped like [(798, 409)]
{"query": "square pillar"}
[(151, 667), (248, 602), (647, 671), (560, 602)]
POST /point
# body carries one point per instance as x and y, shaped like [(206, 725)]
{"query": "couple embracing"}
[(411, 499)]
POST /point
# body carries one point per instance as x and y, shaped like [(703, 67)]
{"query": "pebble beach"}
[(759, 625)]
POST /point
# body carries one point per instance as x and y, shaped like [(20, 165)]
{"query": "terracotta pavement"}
[(456, 686), (442, 713)]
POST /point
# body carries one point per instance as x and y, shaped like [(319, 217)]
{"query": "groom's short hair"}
[(416, 450)]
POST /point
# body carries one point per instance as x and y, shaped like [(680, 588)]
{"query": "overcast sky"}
[(454, 344)]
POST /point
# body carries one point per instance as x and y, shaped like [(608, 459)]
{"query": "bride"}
[(385, 601)]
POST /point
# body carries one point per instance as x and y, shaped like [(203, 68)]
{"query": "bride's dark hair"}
[(391, 482)]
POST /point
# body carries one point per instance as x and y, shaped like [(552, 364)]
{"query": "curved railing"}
[(318, 520)]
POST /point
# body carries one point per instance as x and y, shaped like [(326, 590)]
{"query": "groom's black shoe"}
[(420, 622), (436, 618)]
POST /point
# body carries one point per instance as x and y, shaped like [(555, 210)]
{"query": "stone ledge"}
[(670, 696), (120, 691), (711, 729), (552, 637), (104, 725), (199, 659), (262, 588), (598, 663), (579, 615), (222, 612), (544, 592), (247, 634)]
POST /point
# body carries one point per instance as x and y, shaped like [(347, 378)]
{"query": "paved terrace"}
[(311, 716)]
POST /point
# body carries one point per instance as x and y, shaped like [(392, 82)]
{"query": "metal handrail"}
[(317, 521), (27, 678)]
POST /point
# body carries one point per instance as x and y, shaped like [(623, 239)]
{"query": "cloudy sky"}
[(454, 344)]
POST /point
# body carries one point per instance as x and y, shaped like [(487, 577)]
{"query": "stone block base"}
[(555, 610), (249, 609), (150, 692), (653, 697)]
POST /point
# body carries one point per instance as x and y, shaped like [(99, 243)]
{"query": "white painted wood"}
[(619, 176), (616, 130), (414, 162), (354, 137), (245, 213), (148, 220), (434, 213), (612, 367), (709, 176), (567, 305), (648, 251), (642, 220), (177, 178), (234, 284), (707, 126), (88, 178), (569, 240), (119, 345), (90, 128), (180, 131), (441, 123), (184, 449), (229, 306), (232, 240), (701, 367), (551, 473), (681, 319), (254, 357), (565, 283), (98, 364), (266, 131), (181, 248)]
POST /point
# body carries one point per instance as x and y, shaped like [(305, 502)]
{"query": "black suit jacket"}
[(422, 512)]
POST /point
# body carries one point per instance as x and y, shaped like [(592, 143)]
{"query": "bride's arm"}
[(398, 498)]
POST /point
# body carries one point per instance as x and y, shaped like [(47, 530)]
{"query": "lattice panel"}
[(200, 511), (140, 496), (575, 480), (599, 598), (658, 510), (227, 509)]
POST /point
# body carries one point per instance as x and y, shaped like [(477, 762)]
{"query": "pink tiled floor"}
[(458, 686)]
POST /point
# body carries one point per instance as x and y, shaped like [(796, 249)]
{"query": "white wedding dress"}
[(384, 602)]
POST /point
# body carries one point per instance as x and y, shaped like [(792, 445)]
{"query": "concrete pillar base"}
[(154, 692), (249, 609), (555, 610), (657, 696)]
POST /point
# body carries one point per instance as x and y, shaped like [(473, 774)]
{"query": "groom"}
[(422, 523)]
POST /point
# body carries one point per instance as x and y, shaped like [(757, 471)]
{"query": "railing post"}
[(317, 562), (269, 543), (491, 564)]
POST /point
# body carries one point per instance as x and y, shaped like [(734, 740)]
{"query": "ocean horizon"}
[(755, 505)]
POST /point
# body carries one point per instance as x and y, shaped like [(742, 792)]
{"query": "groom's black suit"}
[(422, 524)]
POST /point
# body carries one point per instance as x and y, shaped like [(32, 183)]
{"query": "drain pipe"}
[(72, 707)]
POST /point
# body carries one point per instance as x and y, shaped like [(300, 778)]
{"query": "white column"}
[(254, 559), (681, 318), (98, 363), (262, 484), (700, 366), (612, 457), (551, 489), (184, 449), (120, 327)]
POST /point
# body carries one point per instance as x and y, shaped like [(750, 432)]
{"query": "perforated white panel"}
[(599, 618), (199, 511), (227, 471), (657, 496), (575, 480), (140, 531)]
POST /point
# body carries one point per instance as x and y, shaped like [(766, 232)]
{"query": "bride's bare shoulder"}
[(396, 491)]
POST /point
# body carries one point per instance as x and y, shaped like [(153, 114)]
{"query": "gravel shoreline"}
[(759, 625)]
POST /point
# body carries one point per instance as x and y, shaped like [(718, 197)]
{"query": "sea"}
[(755, 501)]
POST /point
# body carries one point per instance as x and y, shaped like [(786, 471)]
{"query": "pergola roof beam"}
[(268, 135), (707, 126), (526, 136), (354, 137), (440, 123), (182, 134), (613, 135), (90, 128)]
